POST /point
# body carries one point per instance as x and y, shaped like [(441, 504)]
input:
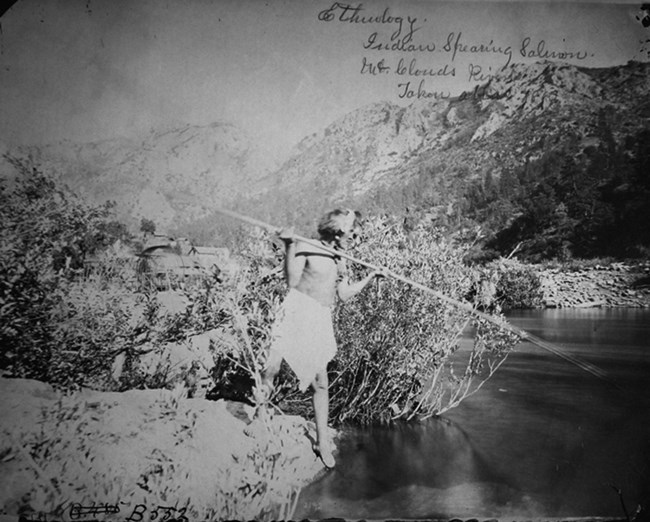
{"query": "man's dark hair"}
[(333, 223)]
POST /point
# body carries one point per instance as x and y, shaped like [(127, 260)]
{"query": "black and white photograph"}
[(313, 259)]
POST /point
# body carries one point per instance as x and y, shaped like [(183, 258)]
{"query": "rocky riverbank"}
[(141, 454), (611, 285)]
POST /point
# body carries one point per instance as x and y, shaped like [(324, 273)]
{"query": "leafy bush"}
[(518, 285), (94, 321), (47, 236), (249, 302), (70, 308), (399, 348)]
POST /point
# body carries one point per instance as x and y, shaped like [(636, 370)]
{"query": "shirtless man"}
[(303, 334)]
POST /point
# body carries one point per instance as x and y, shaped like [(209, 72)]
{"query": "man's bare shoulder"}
[(307, 249)]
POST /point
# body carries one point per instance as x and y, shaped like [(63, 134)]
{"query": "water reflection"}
[(542, 438), (425, 470)]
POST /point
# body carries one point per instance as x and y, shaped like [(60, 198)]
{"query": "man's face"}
[(350, 237)]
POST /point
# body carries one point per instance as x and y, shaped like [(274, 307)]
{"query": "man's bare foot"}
[(327, 457)]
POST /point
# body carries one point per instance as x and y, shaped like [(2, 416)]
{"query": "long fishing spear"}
[(523, 334)]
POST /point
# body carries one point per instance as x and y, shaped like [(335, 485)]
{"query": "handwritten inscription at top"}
[(423, 55), (349, 14)]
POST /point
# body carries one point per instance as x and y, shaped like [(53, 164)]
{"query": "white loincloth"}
[(304, 336)]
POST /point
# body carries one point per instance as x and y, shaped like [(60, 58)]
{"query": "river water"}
[(542, 438)]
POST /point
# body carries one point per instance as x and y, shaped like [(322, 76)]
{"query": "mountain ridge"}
[(166, 176), (460, 161), (529, 121)]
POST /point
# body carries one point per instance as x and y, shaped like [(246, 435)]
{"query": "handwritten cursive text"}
[(408, 92), (455, 45), (352, 14), (540, 51)]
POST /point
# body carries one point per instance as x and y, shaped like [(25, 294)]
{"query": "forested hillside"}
[(548, 159)]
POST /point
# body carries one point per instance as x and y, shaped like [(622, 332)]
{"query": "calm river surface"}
[(541, 438)]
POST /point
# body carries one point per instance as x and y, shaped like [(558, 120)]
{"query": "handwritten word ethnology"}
[(400, 39)]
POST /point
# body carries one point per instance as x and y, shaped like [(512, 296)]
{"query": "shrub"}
[(518, 285), (399, 348), (45, 307), (249, 302), (94, 321)]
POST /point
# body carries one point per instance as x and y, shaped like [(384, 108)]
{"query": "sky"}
[(88, 70)]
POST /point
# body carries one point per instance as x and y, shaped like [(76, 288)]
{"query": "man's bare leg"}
[(273, 364), (320, 399)]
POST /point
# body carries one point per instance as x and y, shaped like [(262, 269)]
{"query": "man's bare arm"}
[(347, 290), (293, 265)]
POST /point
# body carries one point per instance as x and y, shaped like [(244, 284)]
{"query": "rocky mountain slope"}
[(476, 158), (572, 141), (507, 122), (168, 176)]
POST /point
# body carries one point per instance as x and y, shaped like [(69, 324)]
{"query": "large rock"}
[(146, 448)]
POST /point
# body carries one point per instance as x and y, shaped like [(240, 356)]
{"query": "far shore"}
[(612, 285)]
